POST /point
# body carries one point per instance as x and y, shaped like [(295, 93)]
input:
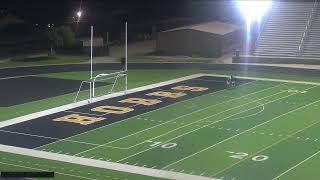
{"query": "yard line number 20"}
[(241, 155)]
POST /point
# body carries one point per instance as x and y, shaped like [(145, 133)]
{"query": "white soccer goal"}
[(103, 77)]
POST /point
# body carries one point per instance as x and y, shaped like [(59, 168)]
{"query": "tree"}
[(68, 36), (60, 38), (55, 40)]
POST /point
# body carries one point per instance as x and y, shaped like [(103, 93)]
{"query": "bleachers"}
[(311, 47), (283, 30)]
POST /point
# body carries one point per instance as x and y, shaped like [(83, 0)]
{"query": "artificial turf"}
[(64, 171), (242, 133), (286, 131)]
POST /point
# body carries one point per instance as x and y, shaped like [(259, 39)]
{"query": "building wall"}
[(189, 42), (231, 41), (197, 43)]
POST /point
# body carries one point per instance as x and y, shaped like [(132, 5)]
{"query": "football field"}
[(261, 129)]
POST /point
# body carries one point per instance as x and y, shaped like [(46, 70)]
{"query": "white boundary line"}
[(85, 102), (102, 164), (263, 79), (46, 170), (14, 77)]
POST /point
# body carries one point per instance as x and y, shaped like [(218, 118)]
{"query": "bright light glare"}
[(253, 10), (79, 13)]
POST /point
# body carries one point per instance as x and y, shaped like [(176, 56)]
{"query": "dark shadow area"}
[(23, 90)]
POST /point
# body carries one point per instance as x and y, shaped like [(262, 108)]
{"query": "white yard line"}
[(240, 134), (102, 164), (14, 77), (293, 167), (206, 126), (178, 118), (38, 169), (46, 137)]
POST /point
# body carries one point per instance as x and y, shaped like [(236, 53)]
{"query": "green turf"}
[(223, 134), (45, 60), (257, 120), (63, 171)]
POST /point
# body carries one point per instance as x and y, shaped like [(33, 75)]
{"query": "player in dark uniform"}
[(231, 82)]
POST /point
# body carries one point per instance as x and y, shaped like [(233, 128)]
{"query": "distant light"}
[(79, 14), (49, 25), (253, 10)]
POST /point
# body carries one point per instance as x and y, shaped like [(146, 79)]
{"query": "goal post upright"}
[(105, 76), (91, 68), (126, 58)]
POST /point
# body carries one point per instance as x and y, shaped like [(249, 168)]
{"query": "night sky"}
[(62, 11), (109, 15)]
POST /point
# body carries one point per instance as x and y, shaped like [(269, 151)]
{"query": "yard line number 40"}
[(241, 155), (296, 91), (162, 145)]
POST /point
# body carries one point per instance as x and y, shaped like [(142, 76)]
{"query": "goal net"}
[(104, 83)]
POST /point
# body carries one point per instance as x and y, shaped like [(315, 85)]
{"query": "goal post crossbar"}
[(109, 74), (99, 78)]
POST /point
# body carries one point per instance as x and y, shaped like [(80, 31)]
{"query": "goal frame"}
[(114, 75)]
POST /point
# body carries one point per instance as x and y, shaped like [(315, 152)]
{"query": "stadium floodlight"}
[(253, 10), (79, 14)]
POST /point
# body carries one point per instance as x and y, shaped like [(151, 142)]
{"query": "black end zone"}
[(45, 130), (26, 89)]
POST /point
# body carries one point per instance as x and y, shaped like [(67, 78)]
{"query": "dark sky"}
[(59, 11)]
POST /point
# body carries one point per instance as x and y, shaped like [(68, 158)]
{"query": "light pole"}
[(79, 14)]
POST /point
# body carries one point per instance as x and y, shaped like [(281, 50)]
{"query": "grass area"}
[(243, 133), (140, 57), (261, 130), (44, 60), (63, 171)]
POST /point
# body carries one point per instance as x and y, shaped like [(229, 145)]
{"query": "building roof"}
[(214, 27)]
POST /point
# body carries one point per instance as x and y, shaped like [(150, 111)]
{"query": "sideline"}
[(102, 164), (263, 79)]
